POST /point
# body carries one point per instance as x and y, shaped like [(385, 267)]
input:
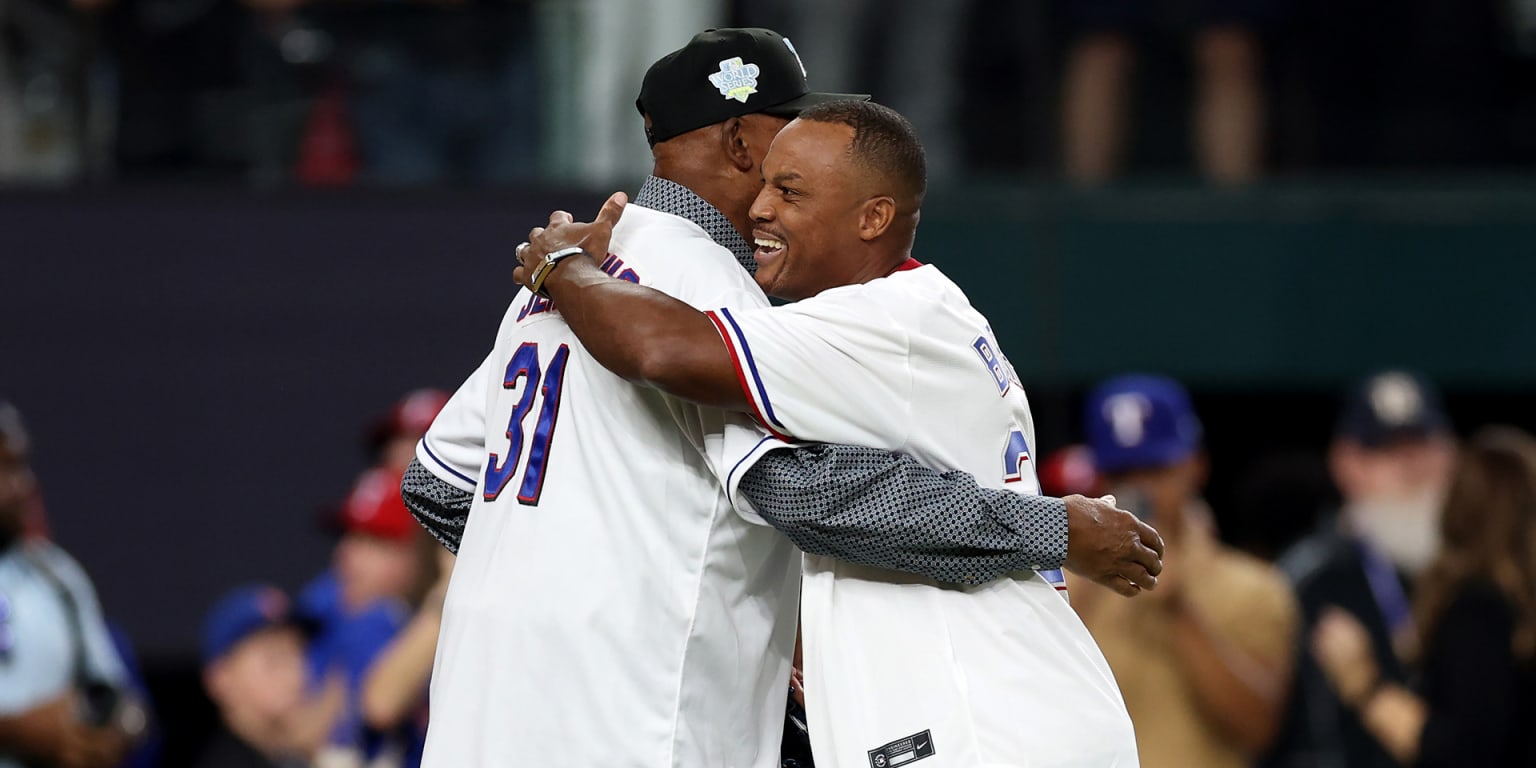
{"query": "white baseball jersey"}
[(899, 669), (608, 607)]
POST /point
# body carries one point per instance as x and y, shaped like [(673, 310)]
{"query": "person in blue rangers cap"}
[(63, 689), (1204, 660), (1392, 457), (254, 671)]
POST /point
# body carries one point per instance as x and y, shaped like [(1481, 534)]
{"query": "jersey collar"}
[(670, 197)]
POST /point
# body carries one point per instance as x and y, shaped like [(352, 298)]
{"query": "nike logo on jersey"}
[(903, 751)]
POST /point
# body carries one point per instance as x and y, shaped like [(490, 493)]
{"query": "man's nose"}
[(761, 211)]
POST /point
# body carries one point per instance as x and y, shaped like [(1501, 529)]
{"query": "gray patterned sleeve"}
[(440, 508), (886, 510)]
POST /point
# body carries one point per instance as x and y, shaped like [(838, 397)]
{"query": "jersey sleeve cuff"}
[(738, 500), (746, 373), (442, 470)]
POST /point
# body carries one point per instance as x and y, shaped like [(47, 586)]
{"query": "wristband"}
[(548, 265)]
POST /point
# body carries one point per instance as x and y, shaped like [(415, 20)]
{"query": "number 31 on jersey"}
[(539, 388)]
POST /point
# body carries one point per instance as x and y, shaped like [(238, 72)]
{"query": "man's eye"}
[(787, 192)]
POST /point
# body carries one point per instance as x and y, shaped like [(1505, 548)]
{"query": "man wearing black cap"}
[(1392, 458), (650, 613), (711, 108)]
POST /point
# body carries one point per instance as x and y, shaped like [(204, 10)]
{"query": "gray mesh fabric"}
[(676, 199), (440, 508), (885, 510)]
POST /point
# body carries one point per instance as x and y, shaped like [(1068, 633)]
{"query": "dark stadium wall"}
[(199, 367)]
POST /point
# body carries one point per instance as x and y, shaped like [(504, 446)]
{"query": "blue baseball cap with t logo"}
[(243, 612), (1140, 422)]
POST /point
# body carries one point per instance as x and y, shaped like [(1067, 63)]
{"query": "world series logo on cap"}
[(735, 79)]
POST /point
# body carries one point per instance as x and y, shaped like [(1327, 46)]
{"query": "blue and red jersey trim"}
[(751, 382)]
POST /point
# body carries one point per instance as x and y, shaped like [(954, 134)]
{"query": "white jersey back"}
[(608, 607), (898, 668)]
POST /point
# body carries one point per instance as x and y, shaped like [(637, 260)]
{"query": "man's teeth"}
[(769, 244)]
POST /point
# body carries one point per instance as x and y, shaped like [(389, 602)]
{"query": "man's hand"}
[(564, 232), (1110, 546), (53, 734), (1342, 648)]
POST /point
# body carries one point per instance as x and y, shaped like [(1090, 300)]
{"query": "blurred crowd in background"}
[(334, 676), (1379, 609), (1398, 628), (499, 92)]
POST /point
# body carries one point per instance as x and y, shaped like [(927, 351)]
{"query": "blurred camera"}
[(107, 706)]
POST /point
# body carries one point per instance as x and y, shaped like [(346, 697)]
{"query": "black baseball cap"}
[(726, 73), (1392, 406)]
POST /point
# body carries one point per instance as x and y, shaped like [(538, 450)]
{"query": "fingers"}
[(1148, 548), (522, 275), (1120, 585), (612, 209), (560, 217), (1151, 538), (1138, 575), (1143, 558)]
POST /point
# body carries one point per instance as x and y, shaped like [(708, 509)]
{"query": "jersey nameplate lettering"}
[(611, 264), (1002, 371)]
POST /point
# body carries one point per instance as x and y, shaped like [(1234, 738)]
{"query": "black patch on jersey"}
[(902, 751)]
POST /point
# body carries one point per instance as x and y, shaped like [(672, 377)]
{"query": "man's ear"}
[(733, 142), (875, 217)]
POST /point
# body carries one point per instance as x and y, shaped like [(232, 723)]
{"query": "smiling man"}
[(620, 598), (880, 350)]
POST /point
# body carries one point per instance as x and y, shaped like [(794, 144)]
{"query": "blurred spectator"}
[(421, 92), (383, 564), (64, 696), (145, 752), (50, 99), (148, 750), (1070, 470), (1204, 659), (181, 109), (1230, 101), (907, 53), (594, 53), (393, 436), (383, 567), (394, 693), (253, 670), (1392, 458), (441, 90), (1475, 626), (1280, 499)]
